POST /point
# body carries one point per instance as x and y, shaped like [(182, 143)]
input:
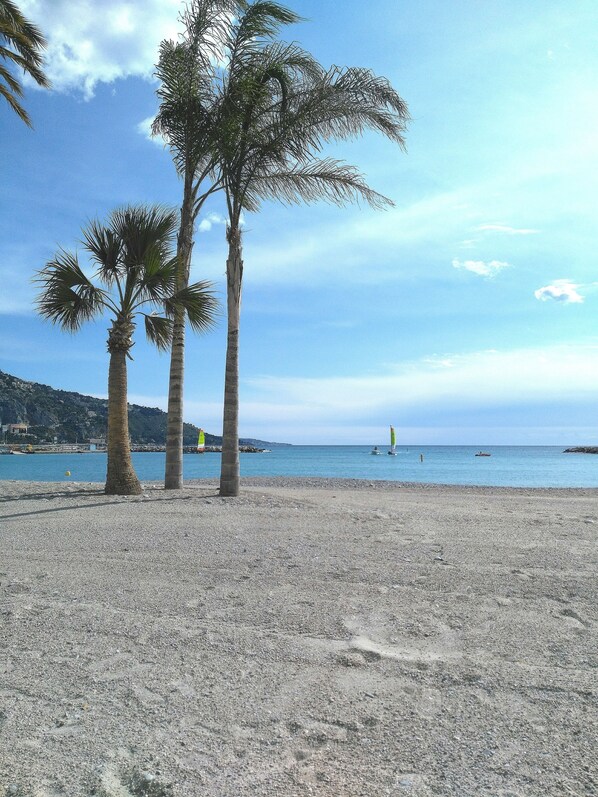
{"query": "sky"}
[(465, 314)]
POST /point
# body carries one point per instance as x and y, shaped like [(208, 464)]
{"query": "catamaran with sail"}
[(393, 441), (201, 442)]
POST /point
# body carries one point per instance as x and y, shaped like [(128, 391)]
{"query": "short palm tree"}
[(21, 44), (279, 106), (137, 273)]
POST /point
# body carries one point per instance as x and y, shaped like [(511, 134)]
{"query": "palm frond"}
[(157, 280), (186, 96), (144, 231), (11, 81), (105, 248), (25, 39), (158, 331), (261, 20), (14, 103), (328, 179), (187, 71), (200, 304), (355, 99), (24, 50), (207, 24), (67, 297)]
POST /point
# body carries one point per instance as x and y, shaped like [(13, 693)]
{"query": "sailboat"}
[(393, 441), (201, 442)]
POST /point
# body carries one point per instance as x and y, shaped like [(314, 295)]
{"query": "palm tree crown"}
[(135, 268), (21, 44)]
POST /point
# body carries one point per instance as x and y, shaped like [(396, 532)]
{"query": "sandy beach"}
[(311, 637)]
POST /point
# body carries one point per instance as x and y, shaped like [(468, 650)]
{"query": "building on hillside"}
[(15, 428)]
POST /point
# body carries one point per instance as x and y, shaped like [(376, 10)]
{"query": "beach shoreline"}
[(312, 636)]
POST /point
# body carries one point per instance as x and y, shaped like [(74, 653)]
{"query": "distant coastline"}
[(74, 448)]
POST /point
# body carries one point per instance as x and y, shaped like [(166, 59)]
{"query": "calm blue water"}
[(509, 466)]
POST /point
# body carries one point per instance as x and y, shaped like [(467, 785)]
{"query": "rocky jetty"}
[(581, 450)]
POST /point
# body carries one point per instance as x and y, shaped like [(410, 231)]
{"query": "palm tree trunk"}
[(173, 476), (120, 477), (229, 472)]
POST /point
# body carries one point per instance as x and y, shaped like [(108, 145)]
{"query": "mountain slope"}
[(72, 417)]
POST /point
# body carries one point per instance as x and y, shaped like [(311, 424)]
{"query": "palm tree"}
[(279, 107), (188, 72), (23, 45), (137, 273), (191, 120)]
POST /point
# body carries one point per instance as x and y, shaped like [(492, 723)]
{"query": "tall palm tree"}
[(137, 273), (279, 107), (189, 73), (21, 44)]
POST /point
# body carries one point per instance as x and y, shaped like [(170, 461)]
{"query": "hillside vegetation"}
[(72, 417)]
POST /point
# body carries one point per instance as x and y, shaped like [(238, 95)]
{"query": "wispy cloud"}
[(481, 267), (17, 297), (365, 244), (429, 391), (563, 291), (91, 43), (504, 228)]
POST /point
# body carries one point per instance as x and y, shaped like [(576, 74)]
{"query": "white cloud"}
[(481, 267), (206, 224), (91, 42), (506, 229), (441, 395), (561, 291), (428, 391), (145, 129), (364, 243)]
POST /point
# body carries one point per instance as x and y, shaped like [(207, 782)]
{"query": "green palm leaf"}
[(327, 179), (158, 331), (68, 298), (105, 248), (157, 280), (200, 304), (23, 47), (144, 232)]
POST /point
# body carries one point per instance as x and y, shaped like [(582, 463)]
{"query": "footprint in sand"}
[(371, 641), (133, 783), (113, 668), (574, 619), (413, 784)]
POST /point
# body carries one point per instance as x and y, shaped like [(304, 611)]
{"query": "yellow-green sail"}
[(201, 441), (393, 439)]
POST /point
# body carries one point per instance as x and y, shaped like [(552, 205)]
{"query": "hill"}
[(72, 417)]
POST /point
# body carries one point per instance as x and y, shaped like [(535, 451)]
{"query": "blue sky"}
[(468, 313)]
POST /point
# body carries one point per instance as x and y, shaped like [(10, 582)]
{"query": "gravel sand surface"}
[(311, 637)]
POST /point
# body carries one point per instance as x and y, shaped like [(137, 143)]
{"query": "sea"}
[(507, 466)]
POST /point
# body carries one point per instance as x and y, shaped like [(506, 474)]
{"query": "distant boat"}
[(375, 450), (483, 454), (201, 442), (393, 441)]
